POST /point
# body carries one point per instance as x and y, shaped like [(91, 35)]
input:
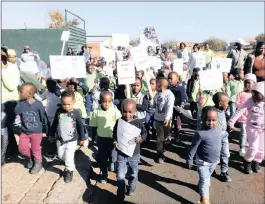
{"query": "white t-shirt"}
[(52, 103)]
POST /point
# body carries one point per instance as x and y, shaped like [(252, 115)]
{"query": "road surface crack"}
[(51, 189)]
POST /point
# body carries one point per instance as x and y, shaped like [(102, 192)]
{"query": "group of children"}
[(89, 107)]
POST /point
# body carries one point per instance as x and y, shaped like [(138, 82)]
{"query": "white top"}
[(52, 103)]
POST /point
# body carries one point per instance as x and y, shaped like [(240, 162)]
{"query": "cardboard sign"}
[(126, 72), (200, 61), (67, 66), (178, 66), (221, 64), (142, 64), (65, 36), (211, 80), (120, 39)]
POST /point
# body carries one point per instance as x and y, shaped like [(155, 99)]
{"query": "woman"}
[(194, 59), (183, 53), (70, 51), (150, 51), (256, 62), (9, 101)]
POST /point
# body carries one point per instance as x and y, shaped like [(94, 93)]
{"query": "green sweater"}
[(236, 86)]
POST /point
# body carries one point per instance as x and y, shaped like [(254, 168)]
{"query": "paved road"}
[(165, 183)]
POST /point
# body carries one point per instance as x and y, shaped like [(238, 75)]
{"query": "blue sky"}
[(189, 21)]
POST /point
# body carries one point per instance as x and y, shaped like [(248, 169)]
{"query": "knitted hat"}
[(26, 47), (251, 77), (11, 52), (260, 87)]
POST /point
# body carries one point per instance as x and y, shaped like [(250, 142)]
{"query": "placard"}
[(155, 62), (142, 63), (211, 80), (178, 66), (126, 72), (120, 39), (67, 66), (221, 64), (200, 61)]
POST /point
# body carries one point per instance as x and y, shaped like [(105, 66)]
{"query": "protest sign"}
[(120, 39), (29, 66), (178, 66), (142, 64), (138, 52), (126, 134), (221, 64), (126, 72), (148, 36), (200, 61), (211, 80), (67, 66), (155, 62)]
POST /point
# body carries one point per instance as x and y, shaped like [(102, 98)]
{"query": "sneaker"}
[(112, 167), (225, 177), (36, 168), (68, 176), (242, 152), (160, 160), (103, 179), (256, 167), (247, 167), (131, 192), (30, 163)]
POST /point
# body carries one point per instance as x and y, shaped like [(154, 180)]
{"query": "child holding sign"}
[(128, 110)]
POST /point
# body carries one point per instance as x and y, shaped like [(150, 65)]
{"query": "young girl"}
[(207, 144), (67, 129), (254, 127), (140, 98), (34, 123), (242, 97)]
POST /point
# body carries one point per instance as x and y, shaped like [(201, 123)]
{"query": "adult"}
[(70, 51), (84, 52), (238, 56), (209, 55), (10, 82), (255, 62), (29, 61), (150, 51), (194, 58), (183, 53)]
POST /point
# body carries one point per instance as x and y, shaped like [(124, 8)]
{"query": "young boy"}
[(236, 86), (34, 123), (178, 90), (221, 101), (207, 144), (140, 99), (128, 111), (67, 129), (102, 122), (163, 104)]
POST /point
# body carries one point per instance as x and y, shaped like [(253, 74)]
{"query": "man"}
[(209, 55), (238, 56)]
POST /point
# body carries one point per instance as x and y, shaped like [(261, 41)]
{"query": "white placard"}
[(126, 72), (138, 52), (120, 39), (67, 66), (29, 66), (126, 134), (155, 62), (142, 64), (222, 64), (178, 66), (200, 61), (211, 80), (65, 36)]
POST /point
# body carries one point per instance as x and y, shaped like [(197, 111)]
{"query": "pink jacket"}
[(255, 117), (241, 98)]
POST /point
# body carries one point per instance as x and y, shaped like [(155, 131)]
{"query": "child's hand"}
[(116, 145), (81, 143), (167, 123), (44, 135), (200, 91), (73, 79), (67, 80), (138, 139), (190, 166), (235, 129)]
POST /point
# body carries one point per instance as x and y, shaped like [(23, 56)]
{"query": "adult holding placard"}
[(209, 55), (197, 59)]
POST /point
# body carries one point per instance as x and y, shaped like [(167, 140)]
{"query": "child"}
[(207, 144), (34, 123), (242, 97), (67, 129), (149, 119), (178, 90), (221, 101), (128, 115), (163, 104), (193, 90), (102, 122), (236, 86), (140, 99), (226, 87), (254, 127), (144, 87)]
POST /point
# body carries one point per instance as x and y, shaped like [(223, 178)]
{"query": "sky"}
[(187, 21)]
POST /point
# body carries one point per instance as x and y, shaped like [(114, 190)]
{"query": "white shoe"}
[(242, 152)]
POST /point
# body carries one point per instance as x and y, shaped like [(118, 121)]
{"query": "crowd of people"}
[(70, 112)]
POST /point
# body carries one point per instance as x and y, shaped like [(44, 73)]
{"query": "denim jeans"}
[(243, 135), (205, 173), (232, 106), (122, 161), (225, 154), (149, 122)]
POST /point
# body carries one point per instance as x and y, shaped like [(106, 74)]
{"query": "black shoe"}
[(131, 192), (121, 198), (104, 179), (30, 163), (247, 167), (256, 167), (68, 176), (36, 168), (225, 177)]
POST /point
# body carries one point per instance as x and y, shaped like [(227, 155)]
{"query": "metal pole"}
[(65, 18)]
